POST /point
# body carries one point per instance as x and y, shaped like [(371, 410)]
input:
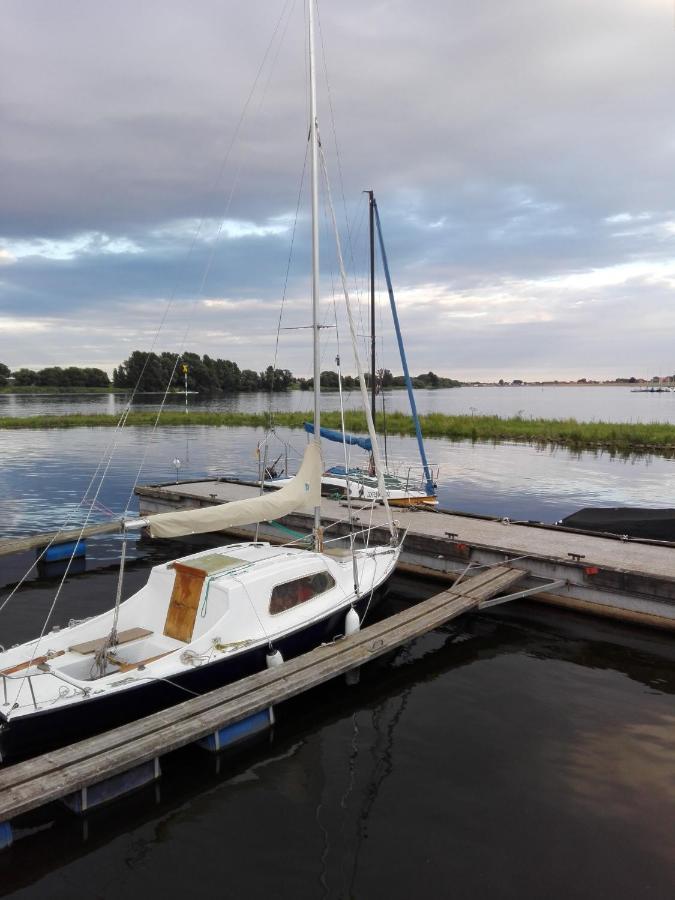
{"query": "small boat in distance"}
[(405, 483)]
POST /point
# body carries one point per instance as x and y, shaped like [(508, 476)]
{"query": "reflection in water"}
[(514, 735), (523, 733), (45, 474), (585, 404), (627, 774), (385, 719)]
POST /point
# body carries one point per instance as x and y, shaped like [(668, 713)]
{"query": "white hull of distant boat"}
[(360, 485)]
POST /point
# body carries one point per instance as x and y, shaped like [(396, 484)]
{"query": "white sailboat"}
[(208, 618), (405, 484)]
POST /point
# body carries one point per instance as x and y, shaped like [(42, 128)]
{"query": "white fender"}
[(352, 622), (274, 659)]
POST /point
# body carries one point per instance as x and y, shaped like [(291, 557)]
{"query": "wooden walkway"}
[(17, 545), (57, 775)]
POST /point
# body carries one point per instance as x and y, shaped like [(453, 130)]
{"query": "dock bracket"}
[(548, 586)]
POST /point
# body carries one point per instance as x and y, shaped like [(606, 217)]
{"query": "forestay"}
[(301, 494)]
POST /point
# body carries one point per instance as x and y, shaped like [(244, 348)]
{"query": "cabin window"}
[(292, 593)]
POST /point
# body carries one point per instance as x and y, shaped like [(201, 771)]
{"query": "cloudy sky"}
[(522, 153)]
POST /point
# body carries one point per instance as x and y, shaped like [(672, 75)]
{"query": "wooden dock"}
[(625, 579), (34, 541), (71, 773)]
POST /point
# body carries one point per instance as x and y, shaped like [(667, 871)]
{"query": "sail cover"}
[(302, 493), (337, 436)]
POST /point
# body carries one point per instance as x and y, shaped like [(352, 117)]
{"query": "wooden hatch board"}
[(182, 613)]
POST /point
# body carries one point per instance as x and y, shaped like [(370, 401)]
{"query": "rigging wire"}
[(337, 146), (352, 328), (362, 265), (350, 238), (355, 570), (242, 584), (288, 4), (107, 453), (63, 579), (382, 370), (288, 269), (287, 8), (269, 428), (115, 439)]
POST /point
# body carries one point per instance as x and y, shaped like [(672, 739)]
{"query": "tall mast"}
[(404, 362), (372, 302), (315, 252)]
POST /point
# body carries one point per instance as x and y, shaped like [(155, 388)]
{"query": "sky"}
[(154, 192)]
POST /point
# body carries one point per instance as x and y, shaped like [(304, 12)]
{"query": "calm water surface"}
[(586, 404), (523, 753), (45, 473)]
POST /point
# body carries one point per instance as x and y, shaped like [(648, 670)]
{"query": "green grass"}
[(626, 438)]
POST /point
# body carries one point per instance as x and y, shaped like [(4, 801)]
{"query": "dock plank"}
[(16, 545)]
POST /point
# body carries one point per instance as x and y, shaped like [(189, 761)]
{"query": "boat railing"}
[(59, 676), (412, 475)]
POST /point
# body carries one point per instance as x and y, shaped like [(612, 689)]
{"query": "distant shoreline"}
[(614, 437), (44, 391)]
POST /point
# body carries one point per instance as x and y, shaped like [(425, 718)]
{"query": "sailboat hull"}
[(426, 500), (49, 729)]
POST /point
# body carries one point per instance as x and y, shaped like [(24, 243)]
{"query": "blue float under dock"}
[(60, 552), (239, 731)]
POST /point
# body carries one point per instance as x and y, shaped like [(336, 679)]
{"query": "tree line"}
[(54, 376), (151, 372)]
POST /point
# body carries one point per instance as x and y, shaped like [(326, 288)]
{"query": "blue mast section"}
[(404, 362)]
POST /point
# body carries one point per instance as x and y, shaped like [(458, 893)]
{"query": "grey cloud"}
[(500, 140)]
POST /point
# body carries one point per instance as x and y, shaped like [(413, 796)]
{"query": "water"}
[(518, 754), (522, 753), (45, 473), (586, 404)]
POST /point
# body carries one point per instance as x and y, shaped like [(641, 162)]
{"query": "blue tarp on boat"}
[(337, 436)]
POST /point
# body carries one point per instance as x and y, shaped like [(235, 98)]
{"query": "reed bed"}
[(624, 437)]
